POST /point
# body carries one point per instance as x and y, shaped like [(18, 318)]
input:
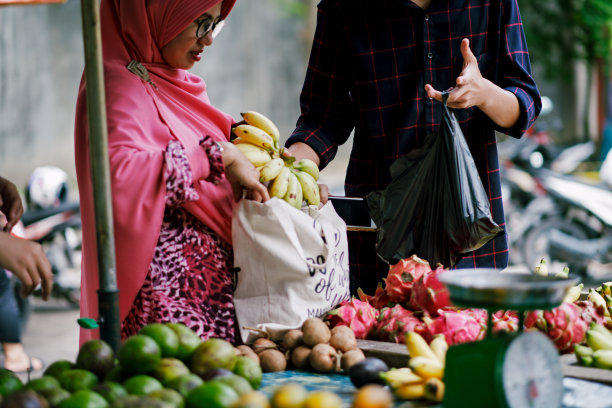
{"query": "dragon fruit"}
[(393, 323), (590, 312), (358, 315), (379, 300), (457, 325), (505, 320), (564, 325), (429, 294), (402, 276)]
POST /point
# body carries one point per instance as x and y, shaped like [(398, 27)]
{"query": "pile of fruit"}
[(313, 347), (414, 300), (294, 182), (164, 365)]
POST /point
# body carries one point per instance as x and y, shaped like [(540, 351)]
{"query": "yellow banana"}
[(310, 189), (294, 192), (417, 346), (439, 346), (396, 377), (584, 354), (271, 169), (263, 122), (426, 367), (309, 167), (573, 293), (602, 359), (410, 391), (254, 135), (598, 340), (258, 158), (278, 186), (248, 147), (605, 289), (542, 268), (434, 390)]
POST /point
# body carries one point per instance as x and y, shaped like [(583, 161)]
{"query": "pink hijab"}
[(142, 118)]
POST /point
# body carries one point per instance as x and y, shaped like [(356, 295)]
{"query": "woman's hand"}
[(10, 204), (242, 175)]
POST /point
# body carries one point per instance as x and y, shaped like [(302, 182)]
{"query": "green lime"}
[(212, 353), (96, 356), (170, 396), (169, 368), (141, 384), (84, 399), (46, 382), (185, 383), (77, 379), (139, 401), (251, 370), (9, 382), (139, 354), (164, 336), (238, 383), (58, 367), (188, 340), (54, 396), (211, 395), (110, 390)]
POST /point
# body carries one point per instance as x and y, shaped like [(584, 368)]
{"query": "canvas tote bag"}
[(292, 265)]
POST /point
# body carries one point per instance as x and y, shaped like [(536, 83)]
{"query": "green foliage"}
[(294, 8), (561, 32)]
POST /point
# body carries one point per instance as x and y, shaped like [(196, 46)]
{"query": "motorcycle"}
[(579, 235), (54, 221)]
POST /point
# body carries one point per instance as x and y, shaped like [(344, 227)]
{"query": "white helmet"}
[(47, 187)]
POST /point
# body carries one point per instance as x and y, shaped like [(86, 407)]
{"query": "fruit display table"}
[(577, 393)]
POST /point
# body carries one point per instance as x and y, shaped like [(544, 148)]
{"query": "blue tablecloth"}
[(578, 393)]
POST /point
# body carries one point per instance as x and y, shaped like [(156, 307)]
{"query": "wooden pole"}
[(108, 294)]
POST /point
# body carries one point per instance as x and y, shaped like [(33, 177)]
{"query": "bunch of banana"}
[(291, 181), (598, 349), (422, 378)]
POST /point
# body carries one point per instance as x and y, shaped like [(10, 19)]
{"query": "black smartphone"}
[(354, 212)]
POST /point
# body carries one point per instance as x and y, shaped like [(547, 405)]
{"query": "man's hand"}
[(26, 260), (10, 204), (472, 89)]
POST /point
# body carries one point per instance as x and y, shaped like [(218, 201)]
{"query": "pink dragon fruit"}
[(379, 300), (358, 315), (429, 294), (394, 322), (564, 325), (458, 325), (402, 276), (590, 312), (505, 320)]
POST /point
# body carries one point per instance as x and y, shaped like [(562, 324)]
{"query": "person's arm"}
[(10, 204), (26, 260), (326, 119), (472, 89)]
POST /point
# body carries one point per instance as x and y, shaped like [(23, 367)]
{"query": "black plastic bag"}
[(435, 206)]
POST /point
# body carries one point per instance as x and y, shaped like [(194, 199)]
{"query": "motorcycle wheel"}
[(535, 245)]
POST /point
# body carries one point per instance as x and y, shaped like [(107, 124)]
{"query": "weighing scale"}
[(509, 370)]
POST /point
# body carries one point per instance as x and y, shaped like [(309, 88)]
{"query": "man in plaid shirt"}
[(377, 67)]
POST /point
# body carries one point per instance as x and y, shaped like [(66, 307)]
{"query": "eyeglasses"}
[(207, 25)]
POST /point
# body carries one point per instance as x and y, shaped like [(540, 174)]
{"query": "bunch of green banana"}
[(598, 349), (294, 182), (422, 379)]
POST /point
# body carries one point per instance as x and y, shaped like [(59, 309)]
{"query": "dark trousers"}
[(10, 317)]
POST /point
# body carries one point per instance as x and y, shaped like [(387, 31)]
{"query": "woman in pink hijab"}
[(175, 177)]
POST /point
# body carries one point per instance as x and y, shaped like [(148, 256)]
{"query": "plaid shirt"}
[(369, 64)]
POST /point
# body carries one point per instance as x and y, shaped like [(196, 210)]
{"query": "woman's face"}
[(186, 48)]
